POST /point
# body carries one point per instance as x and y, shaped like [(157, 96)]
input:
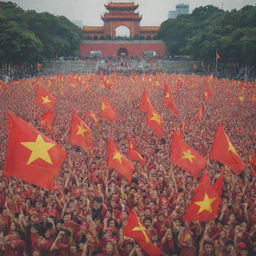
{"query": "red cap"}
[(242, 246)]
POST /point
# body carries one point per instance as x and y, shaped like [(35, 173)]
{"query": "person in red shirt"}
[(13, 245)]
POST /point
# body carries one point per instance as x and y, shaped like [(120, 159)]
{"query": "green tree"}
[(27, 36)]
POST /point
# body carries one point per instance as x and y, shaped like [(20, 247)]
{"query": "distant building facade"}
[(105, 40), (180, 9), (120, 14)]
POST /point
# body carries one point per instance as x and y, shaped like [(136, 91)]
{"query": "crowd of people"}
[(87, 212)]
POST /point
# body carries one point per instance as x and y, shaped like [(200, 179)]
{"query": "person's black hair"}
[(229, 242), (147, 218), (134, 180), (112, 219), (98, 199), (162, 141), (66, 190)]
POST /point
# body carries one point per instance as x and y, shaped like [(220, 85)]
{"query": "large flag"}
[(31, 156), (80, 133), (119, 162), (145, 101), (167, 101), (224, 152), (44, 98), (155, 122), (134, 229), (205, 203), (47, 119), (133, 153), (107, 111), (185, 156)]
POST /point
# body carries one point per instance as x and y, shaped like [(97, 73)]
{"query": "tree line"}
[(209, 29), (28, 37)]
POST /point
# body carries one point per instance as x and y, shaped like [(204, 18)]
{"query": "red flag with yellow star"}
[(168, 101), (134, 229), (107, 111), (145, 101), (31, 156), (47, 119), (155, 122), (207, 93), (185, 156), (44, 98), (119, 162), (205, 203), (80, 133), (224, 152), (133, 153)]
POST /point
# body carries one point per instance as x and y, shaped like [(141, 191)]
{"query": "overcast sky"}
[(154, 12)]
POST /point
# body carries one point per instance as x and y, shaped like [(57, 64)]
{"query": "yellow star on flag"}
[(39, 149), (118, 156), (46, 99), (167, 95), (103, 107), (81, 130), (156, 118), (187, 155), (205, 205), (143, 230), (230, 146)]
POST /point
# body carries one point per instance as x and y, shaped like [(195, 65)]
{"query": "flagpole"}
[(216, 64)]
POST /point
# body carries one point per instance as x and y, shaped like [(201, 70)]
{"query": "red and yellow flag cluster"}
[(134, 229), (80, 133), (119, 162), (31, 156), (47, 101), (205, 203), (185, 156), (108, 111), (134, 154), (224, 152), (168, 101), (154, 120)]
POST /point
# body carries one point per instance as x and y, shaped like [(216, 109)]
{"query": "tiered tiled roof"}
[(150, 28), (93, 29), (118, 16), (117, 6)]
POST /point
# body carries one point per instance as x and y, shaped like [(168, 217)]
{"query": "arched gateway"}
[(104, 38)]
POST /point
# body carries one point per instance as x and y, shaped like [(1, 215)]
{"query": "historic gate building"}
[(105, 40)]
